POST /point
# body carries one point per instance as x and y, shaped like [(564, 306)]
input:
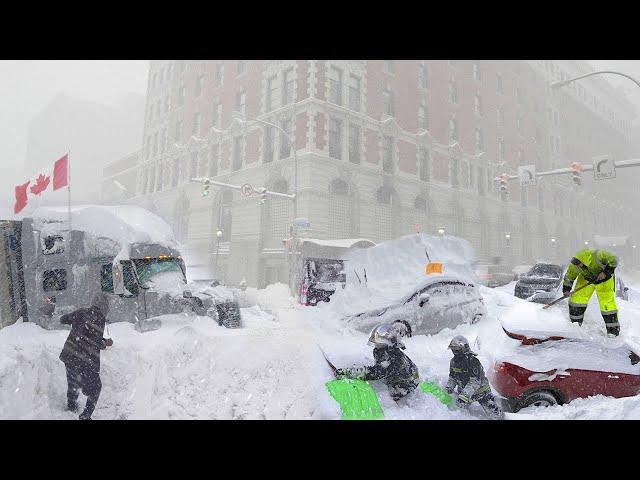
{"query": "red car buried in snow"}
[(559, 370)]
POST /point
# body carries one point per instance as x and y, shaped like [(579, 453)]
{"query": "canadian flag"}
[(42, 182)]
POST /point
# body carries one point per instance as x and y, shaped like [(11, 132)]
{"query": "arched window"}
[(420, 203), (385, 195), (280, 186), (338, 187)]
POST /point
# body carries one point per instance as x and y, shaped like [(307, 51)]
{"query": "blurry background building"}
[(384, 148)]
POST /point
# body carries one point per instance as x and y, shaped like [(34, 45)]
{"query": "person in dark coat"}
[(81, 353), (466, 375), (391, 366)]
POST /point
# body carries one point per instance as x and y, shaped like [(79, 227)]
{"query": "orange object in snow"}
[(433, 268)]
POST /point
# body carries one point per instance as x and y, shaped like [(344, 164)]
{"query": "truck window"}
[(106, 277), (129, 278), (52, 244), (54, 280)]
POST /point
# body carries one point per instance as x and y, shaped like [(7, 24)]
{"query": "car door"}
[(429, 308)]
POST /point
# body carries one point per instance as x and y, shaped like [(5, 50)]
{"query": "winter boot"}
[(611, 322), (84, 416), (576, 313)]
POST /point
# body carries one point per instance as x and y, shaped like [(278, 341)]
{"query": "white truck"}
[(48, 269)]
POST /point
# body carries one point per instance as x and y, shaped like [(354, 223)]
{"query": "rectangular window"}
[(520, 125), (476, 72), (423, 75), (54, 280), (500, 150), (199, 85), (455, 172), (181, 95), (155, 144), (241, 66), (267, 145), (354, 93), (216, 114), (423, 117), (387, 154), (193, 167), (479, 141), (477, 103), (241, 99), (335, 86), (217, 77), (196, 124), (160, 176), (387, 102), (453, 92), (335, 138), (453, 130), (285, 146), (106, 277), (500, 116), (167, 104), (163, 141), (524, 199), (424, 164), (540, 200), (214, 160), (175, 172), (287, 87), (152, 179), (178, 132), (481, 177), (354, 143), (272, 88), (389, 66), (238, 153)]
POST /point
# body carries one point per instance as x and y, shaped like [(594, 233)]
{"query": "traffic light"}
[(504, 191), (263, 196), (205, 190), (576, 169)]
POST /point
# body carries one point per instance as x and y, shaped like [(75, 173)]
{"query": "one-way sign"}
[(603, 167), (246, 189)]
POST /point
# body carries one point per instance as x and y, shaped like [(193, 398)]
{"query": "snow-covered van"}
[(47, 269)]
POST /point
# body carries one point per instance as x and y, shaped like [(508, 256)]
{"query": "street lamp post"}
[(219, 234), (599, 72)]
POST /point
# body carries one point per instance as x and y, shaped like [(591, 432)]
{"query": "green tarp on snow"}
[(436, 391), (357, 400)]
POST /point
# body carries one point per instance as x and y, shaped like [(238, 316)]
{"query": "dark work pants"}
[(79, 378)]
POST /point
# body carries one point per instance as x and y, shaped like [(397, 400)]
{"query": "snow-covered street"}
[(271, 368)]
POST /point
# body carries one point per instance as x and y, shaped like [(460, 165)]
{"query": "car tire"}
[(538, 399)]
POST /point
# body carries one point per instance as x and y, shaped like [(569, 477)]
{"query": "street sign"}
[(603, 167), (527, 174), (246, 189), (302, 223)]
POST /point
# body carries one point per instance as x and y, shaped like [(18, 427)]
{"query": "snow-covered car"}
[(559, 371), (543, 284), (440, 301), (494, 275)]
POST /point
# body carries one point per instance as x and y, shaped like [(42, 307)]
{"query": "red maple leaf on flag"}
[(41, 185)]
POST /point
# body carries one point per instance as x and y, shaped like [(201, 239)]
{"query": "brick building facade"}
[(384, 148)]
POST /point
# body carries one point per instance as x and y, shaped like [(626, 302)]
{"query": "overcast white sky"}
[(27, 86)]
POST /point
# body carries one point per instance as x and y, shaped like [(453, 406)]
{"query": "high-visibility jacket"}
[(589, 263)]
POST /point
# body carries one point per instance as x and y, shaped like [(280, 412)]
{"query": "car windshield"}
[(330, 271), (545, 271), (150, 270)]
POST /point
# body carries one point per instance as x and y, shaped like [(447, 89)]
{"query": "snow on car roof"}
[(574, 354)]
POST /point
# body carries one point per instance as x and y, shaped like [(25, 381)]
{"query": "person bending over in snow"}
[(392, 366), (467, 376), (81, 353)]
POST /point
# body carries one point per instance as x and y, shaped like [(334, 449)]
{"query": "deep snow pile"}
[(271, 368), (189, 369)]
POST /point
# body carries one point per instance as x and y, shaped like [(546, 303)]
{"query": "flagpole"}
[(69, 203)]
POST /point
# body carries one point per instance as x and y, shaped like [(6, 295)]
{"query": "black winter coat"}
[(83, 345), (394, 368)]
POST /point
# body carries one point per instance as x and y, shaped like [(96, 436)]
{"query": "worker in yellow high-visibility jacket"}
[(597, 268)]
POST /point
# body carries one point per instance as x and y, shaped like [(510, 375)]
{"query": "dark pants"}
[(79, 378), (490, 406)]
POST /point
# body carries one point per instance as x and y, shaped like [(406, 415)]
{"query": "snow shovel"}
[(436, 391), (563, 297), (357, 400)]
